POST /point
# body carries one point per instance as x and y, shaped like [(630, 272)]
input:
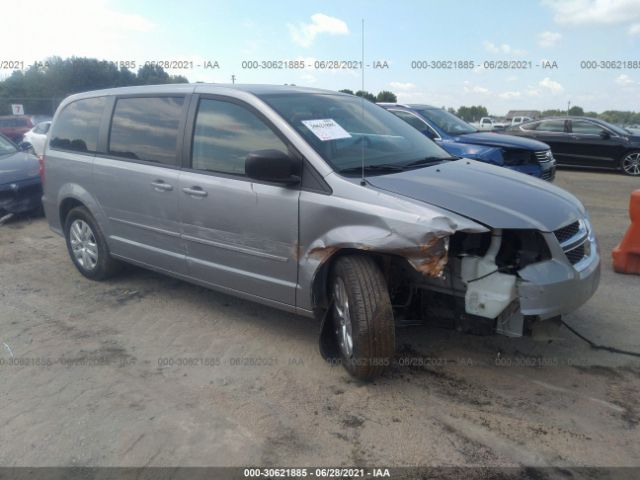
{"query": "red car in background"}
[(15, 126)]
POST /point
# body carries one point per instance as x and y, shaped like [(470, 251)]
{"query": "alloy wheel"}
[(83, 244), (631, 164), (344, 330)]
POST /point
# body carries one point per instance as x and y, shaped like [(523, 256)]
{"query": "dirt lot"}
[(93, 374)]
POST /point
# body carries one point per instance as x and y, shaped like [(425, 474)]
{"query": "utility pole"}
[(568, 107), (233, 79)]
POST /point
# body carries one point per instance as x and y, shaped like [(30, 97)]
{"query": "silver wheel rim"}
[(343, 318), (83, 244), (631, 164)]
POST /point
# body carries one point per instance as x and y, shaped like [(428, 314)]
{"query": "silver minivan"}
[(317, 203)]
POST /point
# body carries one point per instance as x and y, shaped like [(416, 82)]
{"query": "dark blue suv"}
[(462, 140)]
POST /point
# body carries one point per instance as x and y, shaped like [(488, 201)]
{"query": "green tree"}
[(367, 95), (473, 113), (42, 86), (346, 90), (386, 96), (554, 113), (576, 111)]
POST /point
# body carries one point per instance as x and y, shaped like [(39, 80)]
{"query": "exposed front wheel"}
[(87, 246), (630, 163), (362, 316)]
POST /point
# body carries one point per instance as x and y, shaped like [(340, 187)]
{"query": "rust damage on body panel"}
[(430, 258), (427, 258)]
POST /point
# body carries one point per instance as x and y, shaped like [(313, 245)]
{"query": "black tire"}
[(105, 266), (370, 316), (630, 163)]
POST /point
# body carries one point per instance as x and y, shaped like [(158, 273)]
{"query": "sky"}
[(396, 33)]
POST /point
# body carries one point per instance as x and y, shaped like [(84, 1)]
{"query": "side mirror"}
[(272, 166), (25, 147), (605, 135)]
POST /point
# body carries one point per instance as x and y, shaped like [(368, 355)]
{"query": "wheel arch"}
[(73, 195), (320, 283)]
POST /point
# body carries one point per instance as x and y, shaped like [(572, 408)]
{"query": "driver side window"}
[(586, 128), (225, 133)]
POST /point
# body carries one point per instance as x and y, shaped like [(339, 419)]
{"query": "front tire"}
[(362, 316), (630, 163), (87, 246)]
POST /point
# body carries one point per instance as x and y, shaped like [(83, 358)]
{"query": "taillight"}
[(41, 169)]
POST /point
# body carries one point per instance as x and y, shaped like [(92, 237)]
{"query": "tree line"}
[(42, 86)]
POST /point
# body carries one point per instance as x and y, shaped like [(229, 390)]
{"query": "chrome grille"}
[(565, 233), (543, 156), (574, 240), (576, 254), (548, 175)]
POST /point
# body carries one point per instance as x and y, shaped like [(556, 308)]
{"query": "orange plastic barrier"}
[(626, 256)]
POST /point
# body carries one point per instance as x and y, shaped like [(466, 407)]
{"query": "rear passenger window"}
[(146, 129), (225, 133), (77, 126), (551, 126)]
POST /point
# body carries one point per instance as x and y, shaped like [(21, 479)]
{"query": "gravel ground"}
[(147, 370)]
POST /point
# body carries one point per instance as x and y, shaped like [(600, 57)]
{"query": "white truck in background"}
[(519, 120), (488, 123)]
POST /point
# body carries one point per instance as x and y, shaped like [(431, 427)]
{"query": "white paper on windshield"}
[(326, 129)]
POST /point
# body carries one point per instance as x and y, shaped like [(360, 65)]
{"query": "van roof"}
[(255, 89)]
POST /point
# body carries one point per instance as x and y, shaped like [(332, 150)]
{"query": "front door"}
[(239, 234), (595, 146)]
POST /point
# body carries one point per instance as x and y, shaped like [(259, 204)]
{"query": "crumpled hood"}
[(502, 141), (18, 166), (492, 195)]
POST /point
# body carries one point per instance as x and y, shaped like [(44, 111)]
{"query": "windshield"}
[(344, 130), (446, 121), (6, 146), (616, 129)]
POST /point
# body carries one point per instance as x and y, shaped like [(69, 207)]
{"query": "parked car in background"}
[(15, 126), (489, 124), (36, 119), (20, 182), (37, 136), (586, 142), (258, 191), (519, 120), (463, 140)]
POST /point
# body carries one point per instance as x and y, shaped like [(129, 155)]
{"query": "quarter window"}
[(146, 129), (225, 133), (76, 127)]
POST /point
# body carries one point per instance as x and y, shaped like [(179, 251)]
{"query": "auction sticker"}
[(326, 129)]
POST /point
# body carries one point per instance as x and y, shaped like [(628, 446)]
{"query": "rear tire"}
[(87, 246), (630, 163), (362, 316)]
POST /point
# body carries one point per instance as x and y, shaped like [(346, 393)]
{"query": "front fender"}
[(376, 222)]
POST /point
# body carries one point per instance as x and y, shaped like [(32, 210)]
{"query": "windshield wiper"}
[(426, 161), (385, 167)]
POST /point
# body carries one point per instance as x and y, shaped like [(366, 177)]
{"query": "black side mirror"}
[(25, 147), (272, 166), (605, 135)]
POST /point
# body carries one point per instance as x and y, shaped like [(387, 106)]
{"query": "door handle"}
[(195, 191), (161, 186)]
